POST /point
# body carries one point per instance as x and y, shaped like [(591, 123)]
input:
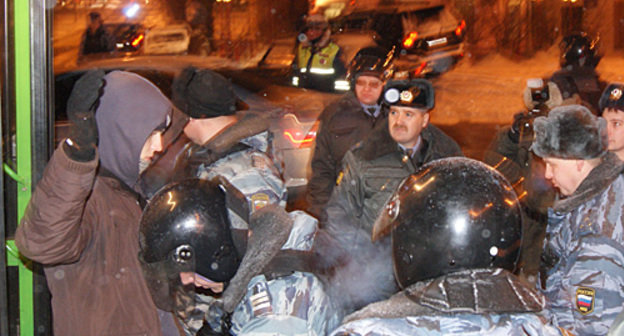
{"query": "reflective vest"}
[(322, 61)]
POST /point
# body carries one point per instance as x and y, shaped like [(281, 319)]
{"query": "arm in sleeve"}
[(345, 206), (506, 156), (323, 177), (587, 296), (53, 229)]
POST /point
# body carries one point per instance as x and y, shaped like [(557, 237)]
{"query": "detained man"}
[(82, 221)]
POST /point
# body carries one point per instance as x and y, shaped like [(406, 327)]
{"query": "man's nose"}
[(158, 144)]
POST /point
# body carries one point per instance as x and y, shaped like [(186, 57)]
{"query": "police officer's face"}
[(565, 174), (406, 123), (615, 129), (368, 89)]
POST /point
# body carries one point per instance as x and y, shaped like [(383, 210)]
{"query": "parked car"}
[(128, 39), (172, 39), (427, 37)]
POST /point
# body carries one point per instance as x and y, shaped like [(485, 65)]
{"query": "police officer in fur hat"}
[(371, 171), (612, 109), (584, 254)]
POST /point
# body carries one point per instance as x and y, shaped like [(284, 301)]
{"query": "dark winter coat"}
[(84, 228), (343, 124), (374, 168), (361, 270)]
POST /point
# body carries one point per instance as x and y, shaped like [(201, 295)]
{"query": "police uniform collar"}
[(597, 181)]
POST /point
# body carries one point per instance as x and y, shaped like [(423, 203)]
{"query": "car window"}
[(281, 53)]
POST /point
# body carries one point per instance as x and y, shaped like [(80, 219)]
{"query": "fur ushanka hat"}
[(570, 132)]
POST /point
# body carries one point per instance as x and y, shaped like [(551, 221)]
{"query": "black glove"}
[(81, 106), (226, 325)]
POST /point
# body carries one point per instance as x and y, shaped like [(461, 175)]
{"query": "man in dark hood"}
[(82, 221)]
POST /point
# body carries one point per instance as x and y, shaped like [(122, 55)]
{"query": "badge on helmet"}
[(416, 93), (612, 97)]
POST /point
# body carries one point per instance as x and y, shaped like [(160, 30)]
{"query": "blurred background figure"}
[(612, 110), (95, 39), (578, 59), (456, 232), (318, 60), (198, 14)]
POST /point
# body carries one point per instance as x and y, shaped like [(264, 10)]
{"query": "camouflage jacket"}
[(585, 237), (294, 304), (252, 173), (492, 302)]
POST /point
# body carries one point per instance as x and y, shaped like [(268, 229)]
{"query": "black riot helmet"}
[(579, 50), (453, 214), (185, 228), (370, 61)]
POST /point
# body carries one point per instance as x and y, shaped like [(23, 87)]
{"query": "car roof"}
[(391, 7), (171, 63)]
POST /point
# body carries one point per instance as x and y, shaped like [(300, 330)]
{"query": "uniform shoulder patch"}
[(565, 332), (259, 200), (585, 298)]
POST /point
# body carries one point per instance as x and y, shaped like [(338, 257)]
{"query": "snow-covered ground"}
[(490, 90)]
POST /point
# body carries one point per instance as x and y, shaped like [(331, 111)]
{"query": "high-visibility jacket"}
[(322, 62)]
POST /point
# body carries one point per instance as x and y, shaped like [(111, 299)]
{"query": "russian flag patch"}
[(585, 298)]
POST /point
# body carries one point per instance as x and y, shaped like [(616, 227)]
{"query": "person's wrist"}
[(76, 152)]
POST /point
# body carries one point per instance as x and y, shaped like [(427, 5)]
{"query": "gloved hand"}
[(81, 106), (224, 328)]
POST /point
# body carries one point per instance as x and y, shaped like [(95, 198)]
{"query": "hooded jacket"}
[(343, 124), (82, 221)]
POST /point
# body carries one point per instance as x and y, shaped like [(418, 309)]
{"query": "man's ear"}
[(425, 119)]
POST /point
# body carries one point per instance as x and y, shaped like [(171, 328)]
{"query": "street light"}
[(131, 11)]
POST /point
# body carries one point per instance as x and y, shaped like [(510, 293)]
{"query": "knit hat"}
[(570, 132), (612, 97), (202, 93)]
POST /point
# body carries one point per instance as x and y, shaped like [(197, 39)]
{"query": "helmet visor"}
[(171, 284)]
